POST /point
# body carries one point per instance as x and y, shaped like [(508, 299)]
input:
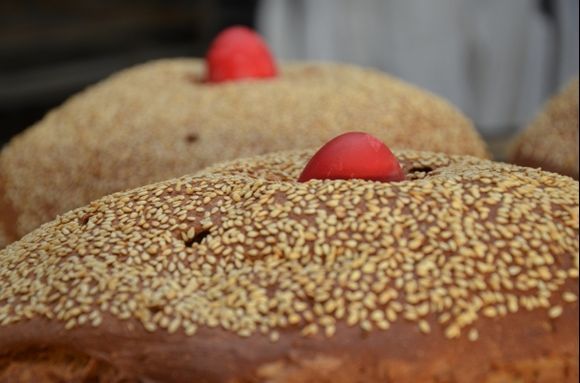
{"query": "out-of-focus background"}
[(497, 60), (50, 49)]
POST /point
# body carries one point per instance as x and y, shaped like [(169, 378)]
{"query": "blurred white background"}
[(497, 60)]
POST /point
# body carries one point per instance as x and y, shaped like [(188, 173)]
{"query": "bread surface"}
[(160, 120), (550, 141), (466, 272)]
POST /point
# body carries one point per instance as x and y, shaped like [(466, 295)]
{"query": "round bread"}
[(550, 142), (465, 272), (159, 120)]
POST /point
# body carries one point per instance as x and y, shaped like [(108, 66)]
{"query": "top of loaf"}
[(159, 120), (244, 247)]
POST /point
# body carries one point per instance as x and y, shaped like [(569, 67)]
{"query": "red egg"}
[(237, 53), (353, 155)]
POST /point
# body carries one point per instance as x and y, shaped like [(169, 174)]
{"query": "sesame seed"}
[(473, 335), (424, 327), (274, 336), (555, 312), (569, 297)]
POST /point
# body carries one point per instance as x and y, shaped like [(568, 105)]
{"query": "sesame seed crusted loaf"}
[(550, 142), (159, 120), (465, 272)]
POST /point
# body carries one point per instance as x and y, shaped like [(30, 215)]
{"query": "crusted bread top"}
[(159, 120), (246, 248)]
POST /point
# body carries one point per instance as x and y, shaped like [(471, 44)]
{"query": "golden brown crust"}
[(56, 364), (531, 349), (158, 121), (8, 216), (550, 141), (467, 272)]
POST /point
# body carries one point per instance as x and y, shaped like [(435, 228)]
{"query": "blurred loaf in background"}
[(550, 141), (162, 120)]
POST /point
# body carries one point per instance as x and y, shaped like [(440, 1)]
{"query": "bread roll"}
[(161, 120), (550, 141), (465, 272)]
